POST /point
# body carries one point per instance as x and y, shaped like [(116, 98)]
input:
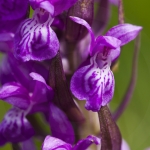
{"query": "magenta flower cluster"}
[(27, 45)]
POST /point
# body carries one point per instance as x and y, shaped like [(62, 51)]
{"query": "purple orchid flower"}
[(94, 81), (35, 39), (15, 127), (27, 102), (51, 143)]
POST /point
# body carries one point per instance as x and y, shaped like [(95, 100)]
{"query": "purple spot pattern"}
[(15, 127), (35, 40), (93, 84)]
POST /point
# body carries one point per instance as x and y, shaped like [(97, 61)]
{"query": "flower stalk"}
[(109, 131), (120, 12), (63, 97)]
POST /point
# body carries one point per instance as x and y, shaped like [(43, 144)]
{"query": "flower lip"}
[(35, 40)]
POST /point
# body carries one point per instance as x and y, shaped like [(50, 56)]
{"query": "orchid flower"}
[(51, 143), (35, 39), (24, 103), (15, 127), (94, 81)]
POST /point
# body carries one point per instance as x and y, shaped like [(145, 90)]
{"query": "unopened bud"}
[(83, 9)]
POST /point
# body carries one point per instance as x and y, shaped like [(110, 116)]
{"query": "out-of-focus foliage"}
[(135, 121)]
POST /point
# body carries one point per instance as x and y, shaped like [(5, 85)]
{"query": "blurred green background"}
[(135, 121)]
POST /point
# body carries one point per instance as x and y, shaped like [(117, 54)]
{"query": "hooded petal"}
[(84, 23), (124, 32), (15, 94), (85, 143), (45, 4), (35, 40), (15, 127), (54, 7), (60, 126), (51, 143), (41, 90), (94, 84), (106, 42)]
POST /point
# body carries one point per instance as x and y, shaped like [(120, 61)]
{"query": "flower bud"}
[(83, 9)]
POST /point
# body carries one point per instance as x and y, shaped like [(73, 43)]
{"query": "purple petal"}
[(12, 10), (12, 13), (5, 71), (28, 145), (85, 143), (2, 140), (85, 86), (20, 72), (60, 126), (51, 143), (54, 7), (124, 145), (40, 107), (114, 54), (15, 94), (108, 87), (45, 4), (94, 84), (35, 40), (15, 127), (108, 41), (6, 46), (84, 23), (39, 78), (124, 32), (6, 36), (103, 42), (58, 22), (41, 89)]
